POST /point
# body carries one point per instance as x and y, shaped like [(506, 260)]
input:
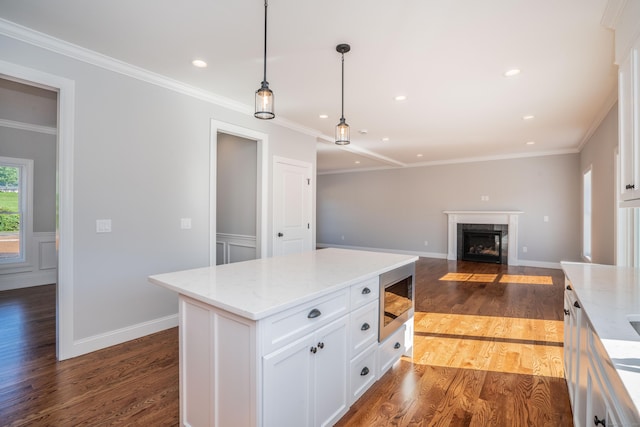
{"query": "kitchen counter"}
[(609, 295), (259, 288)]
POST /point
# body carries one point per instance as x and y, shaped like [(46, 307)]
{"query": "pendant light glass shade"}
[(342, 129), (264, 102), (342, 133), (264, 95)]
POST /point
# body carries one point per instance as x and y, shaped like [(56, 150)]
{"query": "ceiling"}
[(446, 56)]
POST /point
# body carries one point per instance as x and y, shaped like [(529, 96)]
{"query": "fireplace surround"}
[(486, 218)]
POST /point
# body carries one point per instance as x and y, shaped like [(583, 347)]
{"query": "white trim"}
[(65, 345), (118, 336), (25, 209), (229, 241), (262, 140), (459, 161), (28, 127), (483, 217), (436, 255)]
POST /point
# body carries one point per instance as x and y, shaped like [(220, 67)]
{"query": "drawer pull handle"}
[(320, 345), (313, 350), (314, 313), (366, 291), (566, 312), (365, 371), (597, 421), (576, 305), (397, 345), (568, 287), (365, 327)]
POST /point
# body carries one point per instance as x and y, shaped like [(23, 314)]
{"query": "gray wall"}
[(400, 209), (34, 106), (140, 158), (599, 153), (236, 195)]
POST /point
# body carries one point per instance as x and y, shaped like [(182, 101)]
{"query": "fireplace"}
[(482, 245)]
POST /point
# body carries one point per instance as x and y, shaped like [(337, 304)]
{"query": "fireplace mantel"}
[(483, 217)]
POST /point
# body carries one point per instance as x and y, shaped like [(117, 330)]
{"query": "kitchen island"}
[(602, 343), (281, 341)]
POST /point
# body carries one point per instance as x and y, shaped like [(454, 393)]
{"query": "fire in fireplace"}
[(482, 245)]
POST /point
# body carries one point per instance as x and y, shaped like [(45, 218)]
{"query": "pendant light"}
[(342, 129), (264, 95)]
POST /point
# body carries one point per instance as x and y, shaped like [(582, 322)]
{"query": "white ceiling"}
[(447, 56)]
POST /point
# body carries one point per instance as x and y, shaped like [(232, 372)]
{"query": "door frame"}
[(65, 344), (262, 185)]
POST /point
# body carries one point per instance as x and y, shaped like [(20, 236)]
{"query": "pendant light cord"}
[(342, 113), (264, 81)]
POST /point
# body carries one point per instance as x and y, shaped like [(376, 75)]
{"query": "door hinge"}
[(308, 181), (308, 226)]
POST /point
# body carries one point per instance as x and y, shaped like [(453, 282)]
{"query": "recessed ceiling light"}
[(357, 162), (530, 142), (512, 72), (363, 131), (401, 98), (199, 63), (419, 155), (528, 117), (385, 139), (323, 116)]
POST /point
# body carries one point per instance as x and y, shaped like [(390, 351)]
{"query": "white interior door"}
[(291, 206)]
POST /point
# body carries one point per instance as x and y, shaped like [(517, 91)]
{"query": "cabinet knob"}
[(320, 345), (365, 327), (365, 371), (366, 291), (568, 287), (566, 312), (280, 234), (397, 345), (314, 313), (313, 350), (597, 421), (576, 304)]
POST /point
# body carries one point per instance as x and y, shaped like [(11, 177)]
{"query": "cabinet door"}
[(569, 345), (287, 385), (599, 408), (330, 373)]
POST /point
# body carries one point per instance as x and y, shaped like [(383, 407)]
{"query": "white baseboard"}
[(119, 336), (392, 251), (521, 262)]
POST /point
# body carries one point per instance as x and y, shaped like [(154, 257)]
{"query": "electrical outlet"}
[(185, 223), (546, 218), (524, 249), (484, 198), (426, 243), (342, 237)]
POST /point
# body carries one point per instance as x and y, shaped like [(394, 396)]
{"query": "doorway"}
[(259, 169), (65, 89)]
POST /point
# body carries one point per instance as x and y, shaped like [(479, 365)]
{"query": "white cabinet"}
[(595, 390), (305, 383), (391, 350)]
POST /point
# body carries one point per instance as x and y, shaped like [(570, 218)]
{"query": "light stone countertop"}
[(259, 288), (608, 296)]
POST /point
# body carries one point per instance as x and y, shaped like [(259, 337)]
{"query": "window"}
[(15, 223), (586, 214)]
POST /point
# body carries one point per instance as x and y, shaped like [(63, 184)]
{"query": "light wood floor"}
[(488, 352)]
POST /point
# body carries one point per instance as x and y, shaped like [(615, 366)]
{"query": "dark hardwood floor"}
[(487, 352)]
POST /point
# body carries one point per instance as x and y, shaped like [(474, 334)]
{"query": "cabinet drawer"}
[(283, 328), (365, 292), (390, 350), (364, 327), (363, 372)]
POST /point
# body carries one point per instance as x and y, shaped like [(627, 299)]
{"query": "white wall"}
[(141, 159), (599, 153), (400, 209)]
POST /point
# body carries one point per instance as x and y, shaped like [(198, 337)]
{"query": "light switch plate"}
[(103, 226)]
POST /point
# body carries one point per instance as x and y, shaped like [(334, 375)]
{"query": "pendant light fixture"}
[(342, 129), (264, 95)]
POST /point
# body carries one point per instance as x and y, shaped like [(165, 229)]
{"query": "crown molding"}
[(612, 12), (602, 114)]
